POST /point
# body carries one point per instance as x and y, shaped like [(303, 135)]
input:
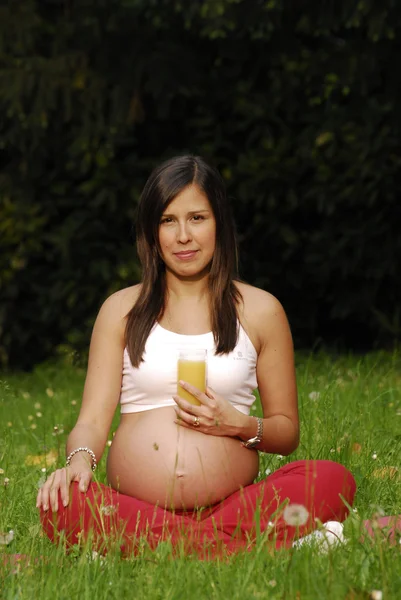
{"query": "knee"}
[(339, 476)]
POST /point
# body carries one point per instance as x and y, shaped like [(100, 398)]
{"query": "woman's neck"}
[(196, 289)]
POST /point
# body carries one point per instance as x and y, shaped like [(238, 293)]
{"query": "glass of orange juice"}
[(192, 368)]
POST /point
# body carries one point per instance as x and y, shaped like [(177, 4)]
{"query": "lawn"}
[(350, 412)]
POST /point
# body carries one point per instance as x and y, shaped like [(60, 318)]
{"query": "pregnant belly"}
[(153, 459)]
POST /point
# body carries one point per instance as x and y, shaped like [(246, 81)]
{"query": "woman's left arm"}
[(275, 371)]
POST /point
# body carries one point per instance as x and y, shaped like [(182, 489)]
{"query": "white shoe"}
[(330, 535)]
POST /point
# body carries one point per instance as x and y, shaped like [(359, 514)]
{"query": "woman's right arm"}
[(100, 399)]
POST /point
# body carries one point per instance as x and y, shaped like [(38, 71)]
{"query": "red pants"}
[(234, 523)]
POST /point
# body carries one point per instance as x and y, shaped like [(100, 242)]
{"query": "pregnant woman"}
[(178, 470)]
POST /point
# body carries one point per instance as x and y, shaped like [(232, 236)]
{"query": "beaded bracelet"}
[(82, 449)]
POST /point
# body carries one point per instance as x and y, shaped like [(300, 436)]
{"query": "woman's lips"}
[(186, 255)]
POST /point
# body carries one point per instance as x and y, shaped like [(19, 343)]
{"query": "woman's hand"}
[(60, 481), (215, 415)]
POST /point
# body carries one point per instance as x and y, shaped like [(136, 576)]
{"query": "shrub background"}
[(296, 103)]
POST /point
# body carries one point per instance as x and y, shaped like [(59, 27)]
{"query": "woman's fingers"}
[(45, 492), (65, 480), (84, 481), (186, 406), (203, 398)]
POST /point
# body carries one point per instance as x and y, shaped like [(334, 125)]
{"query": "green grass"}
[(350, 411)]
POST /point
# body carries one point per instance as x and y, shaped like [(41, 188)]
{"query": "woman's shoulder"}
[(117, 306), (259, 311), (256, 301)]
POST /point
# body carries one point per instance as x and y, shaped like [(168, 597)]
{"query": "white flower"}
[(330, 534), (6, 538), (268, 471), (314, 395), (376, 595), (374, 455), (295, 515), (1, 471), (272, 583)]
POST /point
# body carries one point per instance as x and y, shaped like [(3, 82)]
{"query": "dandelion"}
[(332, 450), (30, 418), (1, 471), (272, 583), (314, 395), (398, 412), (109, 442), (295, 515), (280, 457), (33, 426), (43, 469), (268, 471), (108, 510), (49, 392), (374, 456), (37, 405), (376, 595), (6, 481), (26, 395), (39, 414), (9, 424), (6, 538), (73, 402), (57, 430)]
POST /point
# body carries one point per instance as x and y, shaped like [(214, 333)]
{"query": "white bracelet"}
[(82, 449)]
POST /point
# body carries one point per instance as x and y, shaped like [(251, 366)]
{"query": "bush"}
[(295, 105)]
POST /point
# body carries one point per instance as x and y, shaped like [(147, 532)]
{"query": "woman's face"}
[(187, 233)]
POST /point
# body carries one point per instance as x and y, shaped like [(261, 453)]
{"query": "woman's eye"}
[(166, 220), (198, 218)]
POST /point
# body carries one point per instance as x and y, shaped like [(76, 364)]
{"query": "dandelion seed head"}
[(6, 481), (1, 471), (314, 395), (295, 515), (9, 424), (26, 395), (268, 471), (37, 405), (39, 414), (376, 595), (73, 402), (272, 583), (33, 426), (109, 442), (49, 392), (374, 456), (30, 418)]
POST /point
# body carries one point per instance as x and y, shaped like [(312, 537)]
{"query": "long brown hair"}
[(163, 185)]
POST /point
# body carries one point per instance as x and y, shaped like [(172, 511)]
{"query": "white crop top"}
[(154, 383)]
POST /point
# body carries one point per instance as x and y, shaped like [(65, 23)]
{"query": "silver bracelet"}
[(82, 449)]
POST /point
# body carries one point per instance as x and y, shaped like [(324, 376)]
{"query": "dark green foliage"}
[(297, 104)]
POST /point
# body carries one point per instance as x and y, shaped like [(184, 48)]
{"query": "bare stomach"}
[(153, 459)]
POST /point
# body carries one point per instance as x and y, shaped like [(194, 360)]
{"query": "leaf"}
[(386, 473), (44, 460)]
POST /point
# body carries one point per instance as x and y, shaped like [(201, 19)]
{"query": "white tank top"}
[(154, 383)]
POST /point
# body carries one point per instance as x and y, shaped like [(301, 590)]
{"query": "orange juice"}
[(192, 368)]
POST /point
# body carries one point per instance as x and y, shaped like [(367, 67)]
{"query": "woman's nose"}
[(183, 233)]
